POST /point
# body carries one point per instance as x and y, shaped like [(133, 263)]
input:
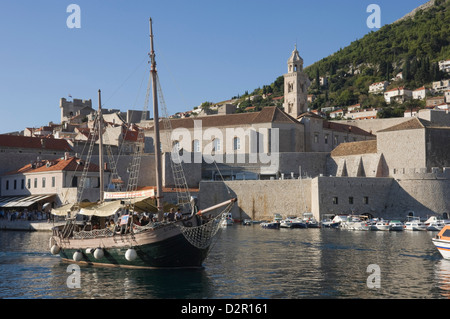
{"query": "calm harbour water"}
[(245, 262)]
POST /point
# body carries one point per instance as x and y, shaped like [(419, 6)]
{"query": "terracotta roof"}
[(266, 115), (412, 124), (15, 141), (345, 128), (355, 148), (71, 164)]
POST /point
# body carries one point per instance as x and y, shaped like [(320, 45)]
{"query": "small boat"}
[(227, 220), (293, 222), (275, 224), (328, 222), (310, 221), (434, 224), (396, 225), (340, 220), (380, 225), (414, 224), (442, 241), (356, 223), (247, 222), (271, 225)]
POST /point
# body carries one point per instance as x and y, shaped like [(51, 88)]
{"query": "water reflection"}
[(442, 272), (97, 282)]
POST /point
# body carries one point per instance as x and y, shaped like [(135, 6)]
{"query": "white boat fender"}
[(131, 254), (51, 242), (98, 253), (89, 250), (77, 256), (55, 249)]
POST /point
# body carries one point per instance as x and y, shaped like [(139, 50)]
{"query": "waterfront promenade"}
[(25, 225)]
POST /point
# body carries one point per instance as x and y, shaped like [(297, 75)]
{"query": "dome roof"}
[(295, 56)]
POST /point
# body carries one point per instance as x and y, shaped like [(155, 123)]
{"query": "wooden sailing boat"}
[(183, 242)]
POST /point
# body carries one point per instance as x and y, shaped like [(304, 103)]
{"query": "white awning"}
[(102, 210), (22, 201)]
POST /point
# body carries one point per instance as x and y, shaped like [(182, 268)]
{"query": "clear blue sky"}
[(206, 50)]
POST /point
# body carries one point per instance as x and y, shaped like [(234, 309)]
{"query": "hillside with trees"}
[(413, 46)]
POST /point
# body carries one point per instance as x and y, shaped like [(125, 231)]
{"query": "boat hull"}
[(396, 228), (270, 225), (160, 248), (443, 246)]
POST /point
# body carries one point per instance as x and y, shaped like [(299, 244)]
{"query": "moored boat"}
[(327, 222), (380, 225), (396, 225), (177, 241), (270, 225), (227, 220), (310, 221), (293, 222), (274, 224), (434, 224), (415, 224), (354, 222)]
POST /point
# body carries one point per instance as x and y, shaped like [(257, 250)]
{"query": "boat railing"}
[(95, 233)]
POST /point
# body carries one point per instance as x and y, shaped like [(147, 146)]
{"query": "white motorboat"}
[(442, 242), (340, 220), (414, 224), (356, 223), (327, 222), (434, 224), (310, 221), (396, 225), (293, 222), (227, 220), (275, 224), (271, 225), (380, 225)]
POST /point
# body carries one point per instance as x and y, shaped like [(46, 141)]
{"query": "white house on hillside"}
[(444, 66), (378, 87), (420, 93), (399, 95)]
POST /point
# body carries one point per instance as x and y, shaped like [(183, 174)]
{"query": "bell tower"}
[(296, 84)]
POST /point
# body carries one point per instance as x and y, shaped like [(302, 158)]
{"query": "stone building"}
[(49, 181)]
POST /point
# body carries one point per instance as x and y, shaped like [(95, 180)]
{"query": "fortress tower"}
[(296, 84)]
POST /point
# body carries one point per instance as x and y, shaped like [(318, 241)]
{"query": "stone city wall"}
[(259, 199)]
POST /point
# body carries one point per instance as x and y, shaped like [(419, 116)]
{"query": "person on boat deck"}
[(171, 215), (111, 225), (136, 220), (178, 215)]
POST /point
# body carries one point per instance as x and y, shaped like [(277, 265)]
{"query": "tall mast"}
[(159, 193), (100, 151)]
